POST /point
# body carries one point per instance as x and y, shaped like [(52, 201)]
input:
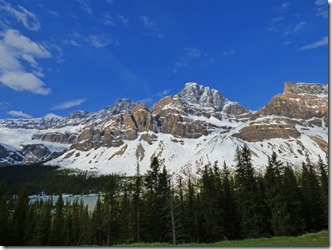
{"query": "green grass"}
[(320, 239)]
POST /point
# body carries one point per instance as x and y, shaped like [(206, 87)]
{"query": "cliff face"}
[(300, 103)]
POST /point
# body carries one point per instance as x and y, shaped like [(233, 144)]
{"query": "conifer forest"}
[(222, 203)]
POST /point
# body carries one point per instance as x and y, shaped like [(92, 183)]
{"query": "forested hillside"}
[(217, 206)]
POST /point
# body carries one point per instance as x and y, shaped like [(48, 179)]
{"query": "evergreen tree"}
[(4, 217), (43, 227), (251, 219), (58, 232), (137, 206), (230, 213), (279, 217), (97, 224), (324, 184), (20, 217), (311, 199), (292, 194), (191, 214)]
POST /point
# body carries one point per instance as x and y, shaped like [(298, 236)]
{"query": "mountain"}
[(195, 127)]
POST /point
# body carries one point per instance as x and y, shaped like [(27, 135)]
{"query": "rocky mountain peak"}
[(121, 105), (305, 88), (78, 114), (193, 93)]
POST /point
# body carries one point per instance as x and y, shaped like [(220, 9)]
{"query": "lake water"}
[(90, 199)]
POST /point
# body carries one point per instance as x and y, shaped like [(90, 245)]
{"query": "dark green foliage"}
[(276, 202), (252, 218), (216, 206)]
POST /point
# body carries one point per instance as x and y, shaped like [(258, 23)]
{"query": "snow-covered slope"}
[(198, 126)]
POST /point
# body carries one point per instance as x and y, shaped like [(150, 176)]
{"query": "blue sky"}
[(58, 56)]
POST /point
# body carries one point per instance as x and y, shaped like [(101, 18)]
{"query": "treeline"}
[(219, 205), (38, 178)]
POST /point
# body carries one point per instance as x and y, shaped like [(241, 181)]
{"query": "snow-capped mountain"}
[(197, 126)]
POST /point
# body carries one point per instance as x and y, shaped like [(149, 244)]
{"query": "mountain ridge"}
[(194, 127)]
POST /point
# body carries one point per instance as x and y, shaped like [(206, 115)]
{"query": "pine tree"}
[(291, 193), (137, 206), (43, 227), (4, 216), (20, 217), (58, 232), (312, 199), (97, 224), (279, 217), (230, 213), (324, 184), (251, 219), (191, 214)]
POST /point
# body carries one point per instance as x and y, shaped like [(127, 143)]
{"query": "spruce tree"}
[(4, 217), (291, 192), (251, 219), (279, 217), (230, 211), (324, 184), (20, 216), (58, 231)]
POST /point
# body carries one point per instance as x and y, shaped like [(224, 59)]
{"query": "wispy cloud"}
[(95, 40), (85, 5), (295, 28), (16, 51), (16, 113), (99, 41), (27, 18), (283, 8), (322, 42), (107, 19), (122, 19), (229, 53), (159, 94), (192, 54), (110, 1), (151, 26), (322, 8), (72, 42), (68, 104), (162, 93), (146, 100)]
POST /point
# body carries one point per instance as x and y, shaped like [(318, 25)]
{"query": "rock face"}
[(301, 101), (299, 104), (195, 127)]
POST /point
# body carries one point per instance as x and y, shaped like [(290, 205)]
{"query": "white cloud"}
[(107, 19), (229, 53), (122, 19), (23, 81), (69, 104), (192, 54), (149, 24), (292, 29), (72, 42), (16, 113), (163, 93), (99, 41), (16, 49), (151, 27), (146, 100), (322, 8), (322, 42), (85, 5), (27, 18)]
